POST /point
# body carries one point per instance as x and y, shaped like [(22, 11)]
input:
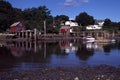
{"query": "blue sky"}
[(99, 9)]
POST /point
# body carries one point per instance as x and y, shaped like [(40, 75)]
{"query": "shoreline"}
[(101, 72)]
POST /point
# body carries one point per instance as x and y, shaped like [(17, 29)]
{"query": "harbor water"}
[(32, 55)]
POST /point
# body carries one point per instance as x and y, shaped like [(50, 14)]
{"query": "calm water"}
[(68, 53)]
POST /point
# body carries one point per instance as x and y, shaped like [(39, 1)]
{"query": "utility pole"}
[(44, 27), (35, 34)]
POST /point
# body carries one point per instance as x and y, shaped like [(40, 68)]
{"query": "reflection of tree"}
[(7, 60), (84, 53), (43, 55), (40, 56), (118, 45), (54, 48), (33, 57), (107, 48)]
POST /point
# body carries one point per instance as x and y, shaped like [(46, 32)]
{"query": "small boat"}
[(89, 39), (113, 40)]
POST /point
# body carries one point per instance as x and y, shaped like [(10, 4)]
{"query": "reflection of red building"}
[(67, 46), (64, 43), (65, 29), (17, 52), (17, 26)]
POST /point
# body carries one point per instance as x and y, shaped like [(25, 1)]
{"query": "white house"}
[(98, 25), (90, 27), (71, 23)]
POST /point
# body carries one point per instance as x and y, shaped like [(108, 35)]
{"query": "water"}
[(66, 53)]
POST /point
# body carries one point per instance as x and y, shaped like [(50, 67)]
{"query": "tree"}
[(118, 25), (84, 19), (107, 22), (60, 19), (6, 15), (34, 17), (56, 23), (18, 15)]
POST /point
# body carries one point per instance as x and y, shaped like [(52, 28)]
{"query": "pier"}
[(35, 35)]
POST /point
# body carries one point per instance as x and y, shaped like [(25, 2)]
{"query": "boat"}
[(113, 40), (89, 39), (106, 41)]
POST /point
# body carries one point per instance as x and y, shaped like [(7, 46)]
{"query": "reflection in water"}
[(36, 54), (68, 46), (7, 60), (84, 53), (107, 48)]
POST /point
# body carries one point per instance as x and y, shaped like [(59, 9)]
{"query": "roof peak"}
[(15, 24)]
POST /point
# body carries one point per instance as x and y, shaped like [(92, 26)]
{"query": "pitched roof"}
[(65, 27), (15, 24)]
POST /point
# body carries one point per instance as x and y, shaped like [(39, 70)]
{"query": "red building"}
[(65, 29), (16, 27)]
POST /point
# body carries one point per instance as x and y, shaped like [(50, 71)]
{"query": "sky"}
[(99, 9)]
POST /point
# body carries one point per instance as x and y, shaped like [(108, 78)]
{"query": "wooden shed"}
[(65, 29), (17, 26)]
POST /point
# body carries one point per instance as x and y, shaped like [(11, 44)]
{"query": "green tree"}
[(55, 23), (107, 22), (60, 19), (109, 25), (18, 15), (84, 19), (6, 15), (118, 25), (34, 17)]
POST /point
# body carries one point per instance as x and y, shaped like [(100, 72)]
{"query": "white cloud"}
[(84, 1), (70, 2), (74, 2)]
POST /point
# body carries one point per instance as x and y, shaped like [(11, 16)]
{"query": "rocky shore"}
[(102, 72)]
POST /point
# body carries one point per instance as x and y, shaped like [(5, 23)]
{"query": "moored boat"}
[(89, 39)]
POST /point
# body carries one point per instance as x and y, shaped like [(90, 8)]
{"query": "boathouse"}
[(65, 30), (69, 27), (19, 30), (17, 27)]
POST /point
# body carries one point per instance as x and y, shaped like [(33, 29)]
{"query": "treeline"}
[(31, 17), (109, 25), (34, 18)]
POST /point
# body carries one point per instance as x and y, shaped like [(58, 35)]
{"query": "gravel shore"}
[(102, 72)]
